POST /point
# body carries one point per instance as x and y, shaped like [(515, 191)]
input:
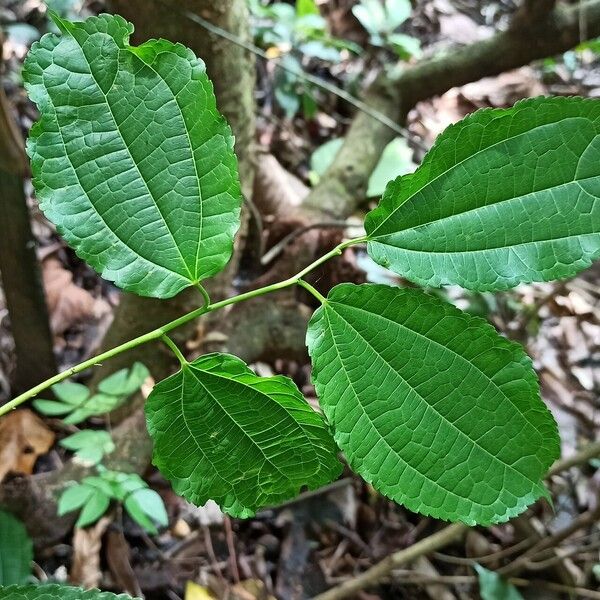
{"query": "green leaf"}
[(93, 509), (131, 159), (52, 408), (146, 508), (71, 393), (322, 158), (306, 7), (396, 160), (16, 550), (405, 46), (221, 432), (98, 404), (430, 404), (504, 197), (73, 498), (493, 587), (126, 381), (397, 11), (55, 592), (372, 16), (89, 446)]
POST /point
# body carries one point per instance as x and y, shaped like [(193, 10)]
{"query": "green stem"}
[(159, 333), (204, 294), (309, 288), (173, 346)]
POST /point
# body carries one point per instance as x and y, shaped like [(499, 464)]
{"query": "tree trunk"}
[(18, 263)]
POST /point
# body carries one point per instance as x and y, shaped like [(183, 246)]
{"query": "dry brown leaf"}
[(461, 29), (23, 437), (87, 544), (503, 90), (68, 304), (118, 557)]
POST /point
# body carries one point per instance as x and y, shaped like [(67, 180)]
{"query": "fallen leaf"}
[(23, 437), (68, 304), (505, 89), (87, 543), (193, 591), (461, 29), (118, 557)]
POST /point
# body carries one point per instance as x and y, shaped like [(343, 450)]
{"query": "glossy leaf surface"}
[(431, 405), (504, 197), (221, 432), (131, 159)]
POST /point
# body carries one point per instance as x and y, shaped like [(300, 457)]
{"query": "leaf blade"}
[(220, 432), (381, 358), (16, 551), (131, 159), (506, 196)]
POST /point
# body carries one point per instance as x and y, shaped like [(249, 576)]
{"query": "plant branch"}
[(160, 333)]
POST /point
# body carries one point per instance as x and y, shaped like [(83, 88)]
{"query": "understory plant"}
[(135, 166)]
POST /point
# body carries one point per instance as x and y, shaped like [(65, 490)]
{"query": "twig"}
[(379, 571), (231, 547), (278, 248), (410, 577), (521, 562), (486, 558), (583, 456)]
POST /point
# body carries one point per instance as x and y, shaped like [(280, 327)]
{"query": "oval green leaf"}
[(506, 196), (55, 592), (16, 550), (431, 405), (221, 432), (131, 159)]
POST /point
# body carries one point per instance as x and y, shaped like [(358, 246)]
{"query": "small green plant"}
[(76, 403), (94, 495), (431, 405), (89, 446), (381, 19), (292, 33)]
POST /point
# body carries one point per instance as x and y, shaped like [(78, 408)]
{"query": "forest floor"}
[(325, 537)]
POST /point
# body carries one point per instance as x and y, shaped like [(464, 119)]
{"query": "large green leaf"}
[(221, 432), (16, 550), (504, 197), (55, 592), (131, 159), (431, 405)]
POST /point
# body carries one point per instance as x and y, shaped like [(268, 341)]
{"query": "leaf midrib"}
[(391, 449), (112, 231), (192, 155), (455, 165), (238, 426), (461, 214), (440, 415), (461, 358), (150, 194)]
